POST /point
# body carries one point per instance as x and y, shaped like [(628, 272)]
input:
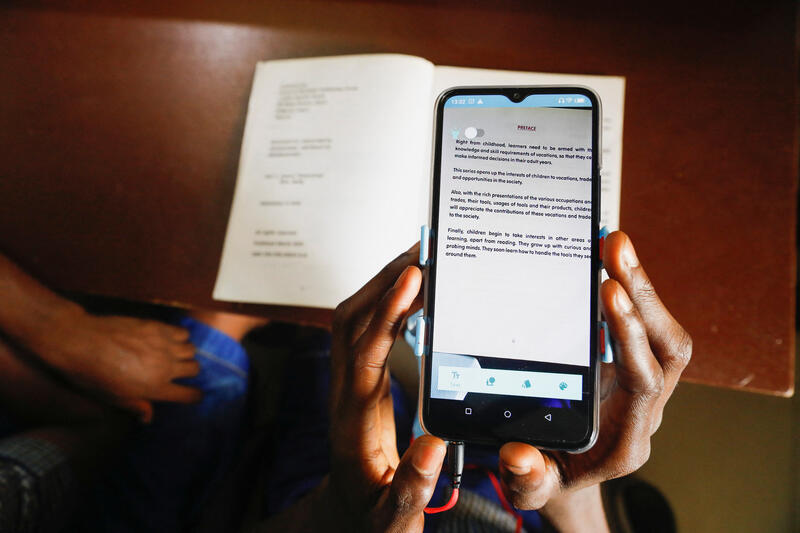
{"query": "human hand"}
[(370, 487), (651, 351), (128, 361)]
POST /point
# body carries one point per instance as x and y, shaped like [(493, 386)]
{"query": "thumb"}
[(143, 409), (412, 485)]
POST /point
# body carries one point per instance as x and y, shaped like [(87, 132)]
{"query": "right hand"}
[(128, 361)]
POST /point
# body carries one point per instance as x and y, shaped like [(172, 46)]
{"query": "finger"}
[(637, 370), (186, 369), (529, 477), (175, 333), (183, 351), (179, 394), (372, 349), (671, 345), (415, 306), (401, 507), (142, 408), (356, 312)]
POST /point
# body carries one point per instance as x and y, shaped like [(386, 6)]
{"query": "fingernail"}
[(621, 300), (518, 470), (401, 278), (629, 255), (428, 458)]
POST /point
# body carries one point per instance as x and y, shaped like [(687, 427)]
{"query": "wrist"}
[(31, 313), (316, 511), (51, 330)]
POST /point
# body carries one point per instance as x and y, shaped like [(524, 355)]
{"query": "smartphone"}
[(511, 278)]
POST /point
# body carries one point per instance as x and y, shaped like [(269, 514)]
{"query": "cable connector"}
[(455, 468), (455, 462)]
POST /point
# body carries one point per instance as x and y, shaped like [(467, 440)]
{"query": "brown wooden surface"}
[(120, 127)]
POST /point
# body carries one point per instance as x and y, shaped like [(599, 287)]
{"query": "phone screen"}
[(512, 288)]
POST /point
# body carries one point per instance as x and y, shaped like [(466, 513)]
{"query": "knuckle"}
[(149, 327), (656, 422), (650, 387), (644, 292), (526, 500), (636, 328), (641, 455), (186, 350), (655, 384), (409, 255), (342, 314), (517, 499), (401, 499), (683, 348)]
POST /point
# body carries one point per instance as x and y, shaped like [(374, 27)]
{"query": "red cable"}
[(502, 497), (446, 507), (499, 490)]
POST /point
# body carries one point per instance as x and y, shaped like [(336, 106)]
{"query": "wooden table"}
[(120, 129)]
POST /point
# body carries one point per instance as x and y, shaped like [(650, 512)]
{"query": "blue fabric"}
[(301, 455), (171, 467)]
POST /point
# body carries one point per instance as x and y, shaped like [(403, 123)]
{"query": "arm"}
[(29, 309), (130, 362)]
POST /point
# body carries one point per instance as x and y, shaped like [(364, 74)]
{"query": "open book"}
[(334, 172)]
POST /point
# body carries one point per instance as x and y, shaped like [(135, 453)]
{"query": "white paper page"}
[(331, 162), (612, 95)]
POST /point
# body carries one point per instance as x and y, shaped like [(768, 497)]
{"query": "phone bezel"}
[(474, 431)]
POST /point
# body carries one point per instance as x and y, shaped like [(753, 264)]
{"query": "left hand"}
[(128, 361), (370, 486)]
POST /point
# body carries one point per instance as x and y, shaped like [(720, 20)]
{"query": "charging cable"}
[(455, 467)]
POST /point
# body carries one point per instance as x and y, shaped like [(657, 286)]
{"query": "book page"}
[(611, 90), (334, 152)]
